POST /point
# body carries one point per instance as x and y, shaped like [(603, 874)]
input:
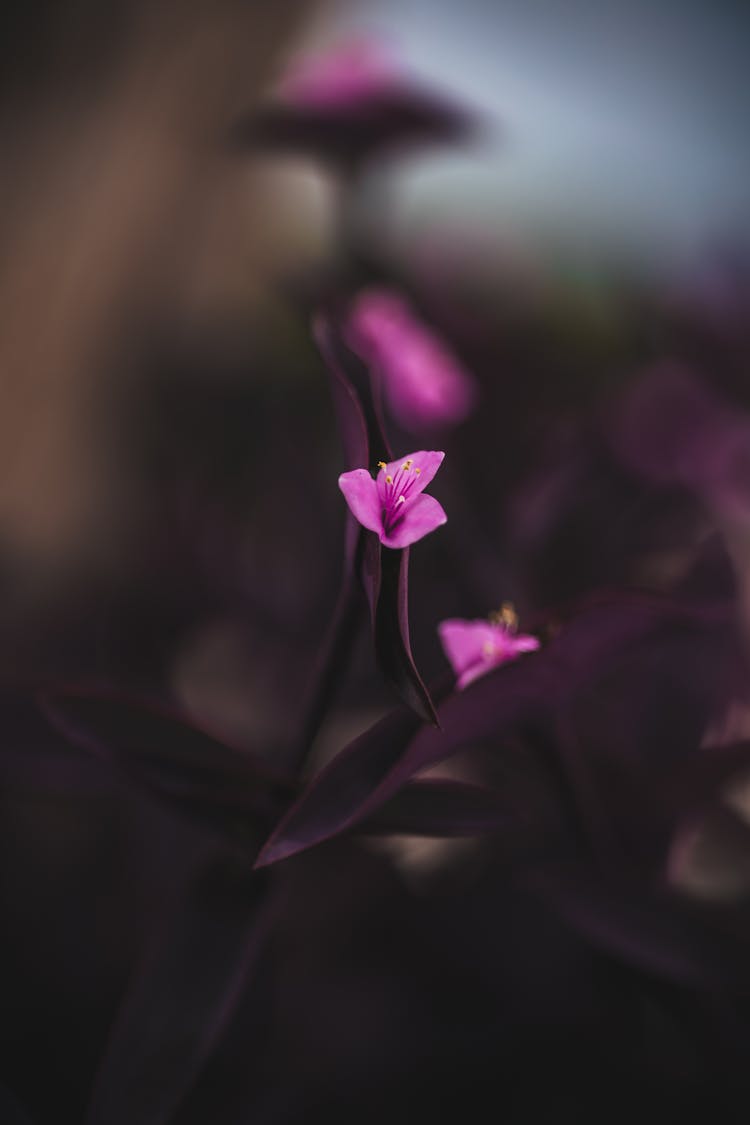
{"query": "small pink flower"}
[(347, 75), (476, 647), (393, 504), (424, 383)]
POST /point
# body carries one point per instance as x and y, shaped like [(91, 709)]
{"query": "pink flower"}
[(393, 504), (476, 647), (351, 104), (347, 75), (424, 383)]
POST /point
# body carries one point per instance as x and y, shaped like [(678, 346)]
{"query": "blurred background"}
[(159, 277), (560, 195), (620, 127)]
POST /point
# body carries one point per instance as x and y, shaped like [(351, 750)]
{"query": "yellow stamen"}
[(509, 616), (389, 480), (407, 465), (417, 470), (381, 464), (505, 616)]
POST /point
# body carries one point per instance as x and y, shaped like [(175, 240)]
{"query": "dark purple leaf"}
[(359, 425), (168, 755), (350, 414), (383, 573), (441, 807), (35, 756), (183, 995), (338, 795), (331, 664), (377, 764), (631, 923), (391, 630), (62, 770), (356, 397)]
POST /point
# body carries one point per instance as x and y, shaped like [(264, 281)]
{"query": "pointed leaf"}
[(391, 626), (384, 574), (440, 807), (377, 764), (356, 398), (168, 755)]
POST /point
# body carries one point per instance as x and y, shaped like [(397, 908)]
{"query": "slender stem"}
[(350, 206), (330, 668)]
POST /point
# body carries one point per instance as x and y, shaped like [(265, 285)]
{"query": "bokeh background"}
[(170, 523)]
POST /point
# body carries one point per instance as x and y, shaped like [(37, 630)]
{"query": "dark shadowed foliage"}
[(262, 859)]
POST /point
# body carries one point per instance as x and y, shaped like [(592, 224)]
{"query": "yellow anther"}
[(381, 464), (417, 470), (407, 465), (389, 479), (506, 616), (509, 616)]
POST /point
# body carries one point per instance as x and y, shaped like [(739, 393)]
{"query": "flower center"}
[(397, 487)]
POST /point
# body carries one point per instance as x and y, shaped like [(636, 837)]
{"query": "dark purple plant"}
[(493, 894)]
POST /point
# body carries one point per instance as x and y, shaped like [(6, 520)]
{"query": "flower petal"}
[(524, 643), (420, 517), (350, 75), (377, 323), (425, 383), (427, 461), (480, 668), (361, 494), (463, 642), (476, 647), (426, 386)]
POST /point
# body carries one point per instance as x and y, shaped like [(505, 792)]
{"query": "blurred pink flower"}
[(476, 647), (351, 104), (393, 505), (425, 384), (349, 74)]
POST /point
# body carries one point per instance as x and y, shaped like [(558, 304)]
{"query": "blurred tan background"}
[(122, 211)]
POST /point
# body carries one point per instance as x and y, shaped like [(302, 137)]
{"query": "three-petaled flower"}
[(476, 647), (393, 505)]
